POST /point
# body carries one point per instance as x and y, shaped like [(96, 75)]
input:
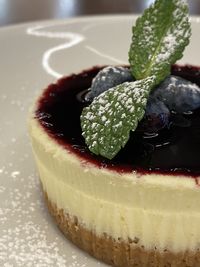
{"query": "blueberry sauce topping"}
[(174, 149)]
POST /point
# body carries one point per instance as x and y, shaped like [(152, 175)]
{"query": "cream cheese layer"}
[(158, 210)]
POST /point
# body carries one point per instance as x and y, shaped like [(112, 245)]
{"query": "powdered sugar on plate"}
[(28, 234)]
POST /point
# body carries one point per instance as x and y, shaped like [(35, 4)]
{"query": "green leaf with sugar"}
[(159, 38), (106, 123)]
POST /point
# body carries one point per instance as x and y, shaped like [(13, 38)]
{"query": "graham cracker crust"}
[(118, 252)]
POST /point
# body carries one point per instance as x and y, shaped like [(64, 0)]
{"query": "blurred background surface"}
[(19, 11)]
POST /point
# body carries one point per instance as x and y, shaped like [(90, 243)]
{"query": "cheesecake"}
[(117, 149), (138, 209)]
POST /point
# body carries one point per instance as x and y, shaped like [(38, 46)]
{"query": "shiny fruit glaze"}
[(174, 150)]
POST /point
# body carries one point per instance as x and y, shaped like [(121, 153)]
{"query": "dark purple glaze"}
[(175, 150)]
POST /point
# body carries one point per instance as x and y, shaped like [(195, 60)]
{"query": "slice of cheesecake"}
[(139, 209)]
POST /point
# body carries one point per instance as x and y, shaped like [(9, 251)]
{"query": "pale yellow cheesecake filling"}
[(158, 210)]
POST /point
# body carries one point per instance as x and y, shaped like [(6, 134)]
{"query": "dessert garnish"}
[(158, 41)]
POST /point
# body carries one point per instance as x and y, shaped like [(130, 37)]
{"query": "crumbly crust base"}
[(118, 252)]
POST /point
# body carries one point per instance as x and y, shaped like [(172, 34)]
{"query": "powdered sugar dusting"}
[(174, 36), (182, 2), (27, 245), (23, 241), (28, 235), (170, 46)]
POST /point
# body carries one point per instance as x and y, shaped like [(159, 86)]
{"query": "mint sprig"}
[(159, 38), (107, 122)]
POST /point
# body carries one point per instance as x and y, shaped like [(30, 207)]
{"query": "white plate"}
[(32, 56)]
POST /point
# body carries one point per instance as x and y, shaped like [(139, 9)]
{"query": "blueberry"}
[(107, 78), (178, 94), (156, 116)]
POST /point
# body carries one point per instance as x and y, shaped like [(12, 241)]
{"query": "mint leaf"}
[(107, 122), (159, 38), (158, 41)]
